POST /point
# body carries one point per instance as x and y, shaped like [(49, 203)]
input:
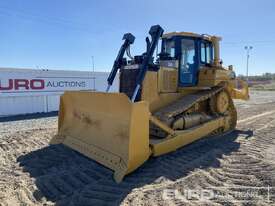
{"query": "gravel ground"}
[(235, 169)]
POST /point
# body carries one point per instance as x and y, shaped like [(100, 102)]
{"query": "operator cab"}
[(192, 51)]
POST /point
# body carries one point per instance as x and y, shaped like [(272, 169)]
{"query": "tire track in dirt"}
[(16, 186)]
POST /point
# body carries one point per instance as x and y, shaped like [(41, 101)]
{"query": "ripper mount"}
[(155, 32), (128, 40)]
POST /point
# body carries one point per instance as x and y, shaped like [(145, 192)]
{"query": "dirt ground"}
[(234, 169)]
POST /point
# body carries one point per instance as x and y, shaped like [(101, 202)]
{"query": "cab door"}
[(188, 62)]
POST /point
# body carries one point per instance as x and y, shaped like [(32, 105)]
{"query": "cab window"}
[(203, 53), (206, 53), (169, 48)]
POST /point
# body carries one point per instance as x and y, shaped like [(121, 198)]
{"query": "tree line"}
[(264, 77)]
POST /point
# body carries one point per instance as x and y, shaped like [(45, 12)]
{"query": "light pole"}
[(248, 49), (93, 72)]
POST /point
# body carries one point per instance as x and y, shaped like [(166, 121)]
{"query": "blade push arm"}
[(128, 40)]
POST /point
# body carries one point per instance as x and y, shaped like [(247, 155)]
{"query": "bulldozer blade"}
[(106, 127)]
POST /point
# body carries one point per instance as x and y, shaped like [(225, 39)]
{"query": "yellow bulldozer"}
[(163, 103)]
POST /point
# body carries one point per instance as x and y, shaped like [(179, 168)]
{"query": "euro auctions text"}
[(37, 84), (220, 194)]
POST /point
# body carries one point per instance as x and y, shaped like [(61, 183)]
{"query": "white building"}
[(26, 91)]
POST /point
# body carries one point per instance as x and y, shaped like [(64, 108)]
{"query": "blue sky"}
[(64, 34)]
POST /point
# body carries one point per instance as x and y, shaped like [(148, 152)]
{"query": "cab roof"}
[(189, 34)]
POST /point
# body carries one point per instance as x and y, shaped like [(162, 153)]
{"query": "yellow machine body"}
[(114, 131)]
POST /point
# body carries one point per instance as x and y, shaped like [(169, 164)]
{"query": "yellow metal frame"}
[(106, 127), (238, 89), (184, 137)]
